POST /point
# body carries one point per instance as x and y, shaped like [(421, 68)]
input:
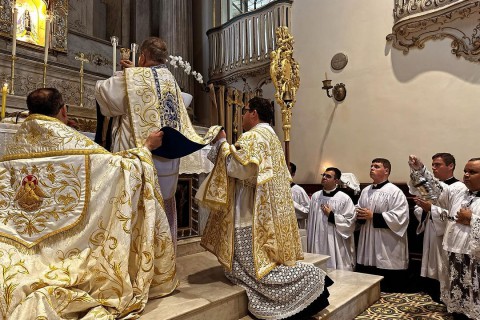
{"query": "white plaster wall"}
[(424, 102)]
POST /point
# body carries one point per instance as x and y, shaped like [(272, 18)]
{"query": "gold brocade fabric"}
[(155, 101), (83, 233), (275, 231)]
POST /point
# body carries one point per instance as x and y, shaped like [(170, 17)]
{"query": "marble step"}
[(189, 246), (350, 295), (204, 292)]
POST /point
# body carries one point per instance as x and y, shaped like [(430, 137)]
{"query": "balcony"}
[(241, 47)]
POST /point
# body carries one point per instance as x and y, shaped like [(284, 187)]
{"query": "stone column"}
[(175, 27)]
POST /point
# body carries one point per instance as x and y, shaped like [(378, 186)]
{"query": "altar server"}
[(332, 223), (382, 212)]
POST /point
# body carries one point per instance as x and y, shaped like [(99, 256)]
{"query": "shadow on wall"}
[(324, 139), (435, 56)]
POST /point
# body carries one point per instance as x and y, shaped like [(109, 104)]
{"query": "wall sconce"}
[(339, 91)]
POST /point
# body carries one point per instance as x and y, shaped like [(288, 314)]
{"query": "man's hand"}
[(414, 162), (126, 63), (464, 216), (154, 140), (326, 209), (364, 214), (219, 136), (424, 204)]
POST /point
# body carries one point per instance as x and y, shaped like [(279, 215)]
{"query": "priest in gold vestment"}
[(83, 233), (252, 226), (147, 98)]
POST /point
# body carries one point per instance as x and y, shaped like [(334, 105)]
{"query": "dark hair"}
[(293, 167), (155, 49), (446, 157), (385, 162), (338, 173), (263, 107), (474, 159), (46, 101)]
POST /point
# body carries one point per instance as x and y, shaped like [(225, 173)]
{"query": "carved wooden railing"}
[(418, 21), (241, 47)]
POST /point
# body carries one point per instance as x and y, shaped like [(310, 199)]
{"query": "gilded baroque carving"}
[(85, 125), (6, 17), (60, 30), (418, 21), (96, 58)]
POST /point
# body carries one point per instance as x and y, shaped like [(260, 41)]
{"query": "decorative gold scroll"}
[(284, 71)]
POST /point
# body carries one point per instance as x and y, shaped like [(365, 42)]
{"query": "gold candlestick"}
[(82, 60), (4, 100), (44, 75)]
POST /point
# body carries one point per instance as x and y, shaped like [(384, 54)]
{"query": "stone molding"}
[(419, 21)]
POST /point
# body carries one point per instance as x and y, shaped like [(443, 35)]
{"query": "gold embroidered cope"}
[(82, 232), (275, 231)]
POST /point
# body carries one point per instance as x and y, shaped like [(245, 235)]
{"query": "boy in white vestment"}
[(382, 212), (301, 200), (429, 216), (332, 223)]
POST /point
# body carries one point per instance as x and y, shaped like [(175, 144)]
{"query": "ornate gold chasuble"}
[(83, 233), (155, 101), (275, 231)]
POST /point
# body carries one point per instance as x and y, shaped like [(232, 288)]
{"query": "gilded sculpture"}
[(284, 71)]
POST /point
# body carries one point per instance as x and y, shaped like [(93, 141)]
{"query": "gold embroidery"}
[(275, 231), (12, 268)]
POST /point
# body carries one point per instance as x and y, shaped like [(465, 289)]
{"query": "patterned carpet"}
[(404, 306)]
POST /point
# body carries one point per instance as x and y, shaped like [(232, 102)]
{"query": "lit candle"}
[(133, 48), (4, 100), (14, 32), (114, 41), (47, 38)]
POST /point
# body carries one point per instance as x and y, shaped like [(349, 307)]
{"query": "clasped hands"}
[(463, 216), (364, 214), (326, 209)]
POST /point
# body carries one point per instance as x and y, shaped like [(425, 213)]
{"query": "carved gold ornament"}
[(284, 72)]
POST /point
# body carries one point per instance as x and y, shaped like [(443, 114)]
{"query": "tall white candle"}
[(14, 32), (114, 41), (133, 48), (47, 38)]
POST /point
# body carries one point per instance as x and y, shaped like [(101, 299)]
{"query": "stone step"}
[(351, 294), (189, 246), (204, 291)]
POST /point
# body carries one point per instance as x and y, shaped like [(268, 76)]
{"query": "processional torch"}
[(284, 71)]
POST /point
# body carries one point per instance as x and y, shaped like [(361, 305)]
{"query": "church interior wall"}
[(421, 103)]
